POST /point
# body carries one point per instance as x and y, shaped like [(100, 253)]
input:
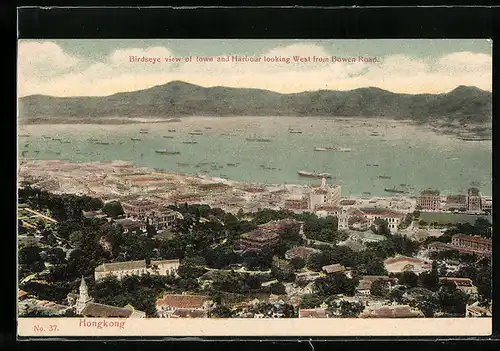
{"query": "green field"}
[(445, 218)]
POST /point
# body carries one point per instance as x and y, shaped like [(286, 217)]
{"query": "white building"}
[(122, 269), (324, 194)]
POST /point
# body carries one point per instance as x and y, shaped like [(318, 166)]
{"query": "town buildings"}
[(400, 311), (465, 244), (182, 306), (365, 284), (122, 269), (302, 252), (259, 240), (463, 284), (85, 306), (474, 243)]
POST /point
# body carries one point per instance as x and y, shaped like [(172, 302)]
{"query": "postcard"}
[(254, 187)]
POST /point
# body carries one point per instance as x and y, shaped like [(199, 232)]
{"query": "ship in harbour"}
[(259, 139), (166, 152), (314, 175), (190, 142), (384, 177), (196, 133), (333, 148), (396, 191)]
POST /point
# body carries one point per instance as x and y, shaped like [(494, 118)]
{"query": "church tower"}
[(84, 297)]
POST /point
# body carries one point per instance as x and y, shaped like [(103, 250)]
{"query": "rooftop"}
[(476, 239), (182, 301), (118, 266), (402, 311), (93, 309), (259, 235), (333, 268), (313, 313), (188, 313), (301, 251)]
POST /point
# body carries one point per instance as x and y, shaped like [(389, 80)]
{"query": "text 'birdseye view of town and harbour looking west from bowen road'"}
[(226, 187)]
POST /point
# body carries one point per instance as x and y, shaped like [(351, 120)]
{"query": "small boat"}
[(168, 137), (314, 175), (92, 139), (143, 132), (172, 130), (196, 133), (182, 164), (165, 152), (190, 142), (295, 131), (366, 193), (56, 139), (24, 135), (375, 165), (231, 164), (135, 139), (101, 143), (208, 127), (384, 177)]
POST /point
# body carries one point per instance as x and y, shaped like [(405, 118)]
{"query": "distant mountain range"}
[(464, 104)]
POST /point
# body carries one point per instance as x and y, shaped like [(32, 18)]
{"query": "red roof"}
[(182, 301), (313, 313)]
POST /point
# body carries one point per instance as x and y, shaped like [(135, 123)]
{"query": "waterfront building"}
[(486, 204), (258, 240), (455, 202), (429, 200), (473, 200), (324, 194), (122, 269)]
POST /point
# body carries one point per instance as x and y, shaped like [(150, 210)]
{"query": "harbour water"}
[(408, 157)]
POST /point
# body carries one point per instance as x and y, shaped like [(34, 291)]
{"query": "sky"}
[(90, 67)]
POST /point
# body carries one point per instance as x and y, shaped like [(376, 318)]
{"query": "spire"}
[(83, 285)]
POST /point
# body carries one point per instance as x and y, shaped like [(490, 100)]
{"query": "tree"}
[(297, 262), (408, 278), (29, 255), (381, 227), (379, 288), (221, 311), (311, 301), (336, 283), (113, 209), (430, 280), (55, 255), (277, 289)]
